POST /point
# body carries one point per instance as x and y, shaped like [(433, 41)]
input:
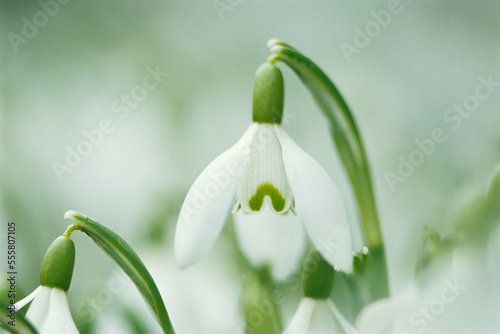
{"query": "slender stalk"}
[(351, 149), (260, 308)]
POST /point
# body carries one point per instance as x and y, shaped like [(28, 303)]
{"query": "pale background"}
[(66, 78)]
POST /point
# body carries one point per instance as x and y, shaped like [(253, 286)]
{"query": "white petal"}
[(318, 202), (383, 314), (37, 313), (23, 302), (302, 318), (268, 238), (318, 316), (342, 321), (49, 312), (323, 319), (264, 181), (58, 318), (209, 201)]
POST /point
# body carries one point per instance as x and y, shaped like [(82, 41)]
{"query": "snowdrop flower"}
[(390, 315), (318, 316), (49, 312), (274, 188), (316, 312)]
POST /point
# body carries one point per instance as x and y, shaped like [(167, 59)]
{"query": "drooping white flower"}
[(49, 312), (316, 313), (275, 189), (265, 170), (318, 316)]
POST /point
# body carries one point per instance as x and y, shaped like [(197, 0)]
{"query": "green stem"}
[(70, 229), (260, 308), (351, 150)]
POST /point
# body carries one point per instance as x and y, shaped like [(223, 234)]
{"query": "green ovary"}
[(267, 189)]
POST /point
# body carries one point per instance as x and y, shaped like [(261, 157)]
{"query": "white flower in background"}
[(316, 312), (388, 315), (275, 189), (318, 316), (49, 311)]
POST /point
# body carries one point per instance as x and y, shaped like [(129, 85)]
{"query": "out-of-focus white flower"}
[(318, 316), (49, 311), (438, 302), (385, 315)]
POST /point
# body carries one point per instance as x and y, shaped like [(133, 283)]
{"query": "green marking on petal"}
[(267, 189)]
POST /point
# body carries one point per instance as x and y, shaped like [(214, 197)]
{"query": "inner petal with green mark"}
[(269, 190), (264, 181)]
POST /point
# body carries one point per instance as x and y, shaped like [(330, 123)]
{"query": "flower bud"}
[(58, 264), (268, 94)]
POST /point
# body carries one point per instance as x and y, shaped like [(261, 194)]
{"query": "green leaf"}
[(118, 250), (350, 146), (22, 325)]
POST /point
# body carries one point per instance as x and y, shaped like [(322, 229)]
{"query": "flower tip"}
[(70, 214), (74, 215), (272, 42), (277, 49), (183, 259), (345, 266), (340, 261), (26, 300), (347, 269), (182, 264)]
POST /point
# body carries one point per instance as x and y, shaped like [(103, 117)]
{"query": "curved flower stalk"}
[(49, 312), (275, 189), (350, 146)]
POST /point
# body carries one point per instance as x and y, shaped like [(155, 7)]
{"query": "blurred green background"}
[(73, 70)]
